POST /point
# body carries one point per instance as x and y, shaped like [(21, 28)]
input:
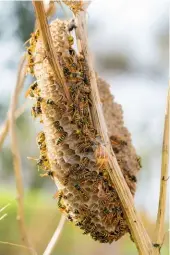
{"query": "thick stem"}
[(47, 40)]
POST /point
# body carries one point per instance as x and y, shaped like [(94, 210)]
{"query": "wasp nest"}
[(70, 149)]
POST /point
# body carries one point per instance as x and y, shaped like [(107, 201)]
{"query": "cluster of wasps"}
[(76, 74), (30, 51), (91, 201), (33, 91)]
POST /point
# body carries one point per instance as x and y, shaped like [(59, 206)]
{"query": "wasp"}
[(78, 224), (29, 51), (50, 101), (30, 58), (32, 41), (41, 139), (76, 211), (39, 99), (101, 157), (139, 160), (84, 162), (32, 91), (42, 161), (85, 175), (86, 99), (117, 210), (61, 138), (86, 89), (34, 37), (105, 175), (75, 76), (76, 117), (115, 140), (122, 226), (84, 209), (60, 196), (72, 90), (86, 232), (36, 110), (157, 245), (57, 126), (70, 40), (133, 178), (77, 186), (72, 107), (72, 25), (86, 79), (78, 132), (69, 218), (83, 107), (85, 147), (106, 211), (72, 52), (105, 234), (30, 68), (84, 120), (66, 71), (49, 173), (74, 65)]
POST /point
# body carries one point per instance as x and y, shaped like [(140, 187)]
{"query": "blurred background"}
[(129, 41)]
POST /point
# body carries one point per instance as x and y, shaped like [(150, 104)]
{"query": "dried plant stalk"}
[(16, 155), (163, 182), (17, 245), (50, 53), (55, 237)]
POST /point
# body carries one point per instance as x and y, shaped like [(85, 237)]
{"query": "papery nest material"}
[(71, 150)]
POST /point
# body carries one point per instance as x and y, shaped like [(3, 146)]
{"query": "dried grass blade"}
[(164, 180)]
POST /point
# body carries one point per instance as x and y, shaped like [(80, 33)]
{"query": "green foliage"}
[(42, 217)]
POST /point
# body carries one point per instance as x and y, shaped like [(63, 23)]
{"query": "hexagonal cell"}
[(67, 166), (65, 146), (65, 121), (69, 152), (60, 153)]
